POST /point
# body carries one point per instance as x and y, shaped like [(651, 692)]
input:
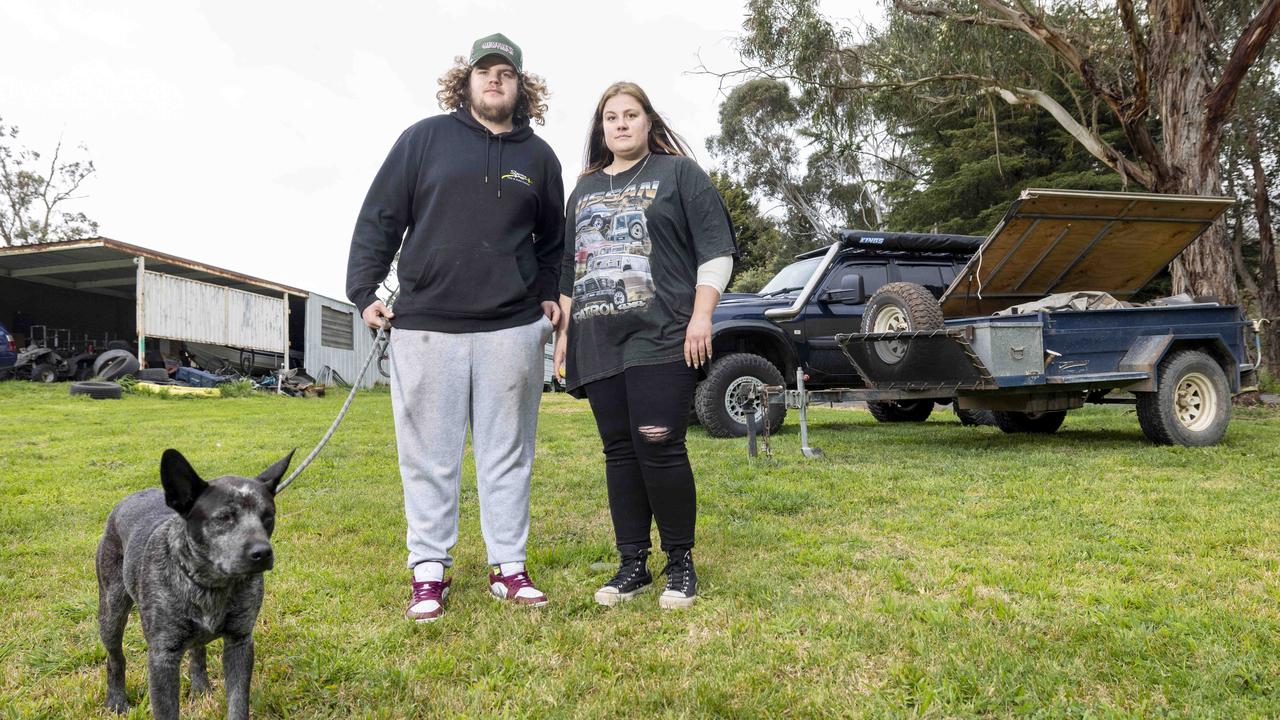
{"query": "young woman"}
[(648, 250)]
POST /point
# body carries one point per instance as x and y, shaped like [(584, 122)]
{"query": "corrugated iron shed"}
[(106, 267)]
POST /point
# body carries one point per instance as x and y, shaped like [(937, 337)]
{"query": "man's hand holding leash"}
[(377, 315)]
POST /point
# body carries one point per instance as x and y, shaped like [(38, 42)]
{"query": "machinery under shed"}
[(96, 293)]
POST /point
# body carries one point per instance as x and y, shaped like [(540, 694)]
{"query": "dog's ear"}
[(271, 476), (182, 486)]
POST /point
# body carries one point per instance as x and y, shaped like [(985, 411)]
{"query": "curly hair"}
[(531, 94)]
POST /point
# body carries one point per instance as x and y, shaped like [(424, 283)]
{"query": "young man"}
[(474, 203)]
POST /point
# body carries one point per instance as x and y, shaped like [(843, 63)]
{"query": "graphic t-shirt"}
[(631, 264)]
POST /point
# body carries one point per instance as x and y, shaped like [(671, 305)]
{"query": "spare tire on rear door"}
[(900, 307)]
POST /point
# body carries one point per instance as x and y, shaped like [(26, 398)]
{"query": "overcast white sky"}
[(245, 134)]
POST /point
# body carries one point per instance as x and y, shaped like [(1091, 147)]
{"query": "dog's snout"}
[(261, 553)]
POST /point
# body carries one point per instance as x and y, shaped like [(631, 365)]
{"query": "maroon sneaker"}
[(427, 601), (517, 588)]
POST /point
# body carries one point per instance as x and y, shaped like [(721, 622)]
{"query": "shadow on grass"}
[(934, 439)]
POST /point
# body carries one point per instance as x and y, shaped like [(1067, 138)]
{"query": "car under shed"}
[(94, 291)]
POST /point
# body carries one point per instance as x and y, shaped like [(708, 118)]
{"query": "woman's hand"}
[(697, 336), (697, 341), (562, 350)]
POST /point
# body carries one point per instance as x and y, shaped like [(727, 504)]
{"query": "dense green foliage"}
[(937, 117)]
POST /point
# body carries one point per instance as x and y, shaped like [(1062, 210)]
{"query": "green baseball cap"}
[(500, 45)]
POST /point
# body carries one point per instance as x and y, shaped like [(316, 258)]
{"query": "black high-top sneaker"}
[(632, 578), (682, 581)]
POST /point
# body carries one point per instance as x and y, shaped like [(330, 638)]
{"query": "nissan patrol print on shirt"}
[(611, 252)]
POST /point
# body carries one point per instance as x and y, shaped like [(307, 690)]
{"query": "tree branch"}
[(1221, 99), (1096, 146), (44, 192), (1138, 51), (1133, 122), (944, 14)]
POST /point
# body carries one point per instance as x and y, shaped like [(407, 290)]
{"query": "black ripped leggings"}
[(642, 414)]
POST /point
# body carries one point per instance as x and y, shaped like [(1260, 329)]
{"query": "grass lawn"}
[(918, 570)]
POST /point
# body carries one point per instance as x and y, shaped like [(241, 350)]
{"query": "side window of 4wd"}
[(873, 276), (930, 276)]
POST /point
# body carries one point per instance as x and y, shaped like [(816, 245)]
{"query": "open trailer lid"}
[(1054, 241)]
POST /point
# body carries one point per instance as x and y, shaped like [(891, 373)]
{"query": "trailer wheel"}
[(1191, 405), (44, 373), (97, 389), (974, 418), (901, 411), (721, 400), (1029, 422), (899, 307)]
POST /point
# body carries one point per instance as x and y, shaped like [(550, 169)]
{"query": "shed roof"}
[(107, 267)]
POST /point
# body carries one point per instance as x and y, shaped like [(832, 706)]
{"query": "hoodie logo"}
[(518, 177)]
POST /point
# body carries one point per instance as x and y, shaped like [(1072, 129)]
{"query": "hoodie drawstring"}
[(487, 140), (499, 166)]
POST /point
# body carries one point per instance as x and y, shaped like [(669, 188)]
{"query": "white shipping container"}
[(182, 309)]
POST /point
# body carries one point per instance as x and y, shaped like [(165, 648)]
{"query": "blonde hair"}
[(662, 139), (531, 92)]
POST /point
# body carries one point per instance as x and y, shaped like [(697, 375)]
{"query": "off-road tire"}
[(1043, 423), (152, 375), (903, 411), (97, 389), (920, 307), (729, 374), (900, 307), (44, 373), (975, 418), (1191, 405)]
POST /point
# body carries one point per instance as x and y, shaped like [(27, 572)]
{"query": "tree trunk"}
[(1180, 53), (1268, 285)]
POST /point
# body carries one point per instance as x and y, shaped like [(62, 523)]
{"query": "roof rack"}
[(877, 240)]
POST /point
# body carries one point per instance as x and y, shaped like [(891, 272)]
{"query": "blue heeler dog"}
[(191, 558)]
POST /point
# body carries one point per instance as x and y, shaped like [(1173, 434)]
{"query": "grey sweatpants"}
[(441, 383)]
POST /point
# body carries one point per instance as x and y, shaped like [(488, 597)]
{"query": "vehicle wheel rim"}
[(737, 399), (637, 231), (1194, 402), (891, 319), (619, 298)]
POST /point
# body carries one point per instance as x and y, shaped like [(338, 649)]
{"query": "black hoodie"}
[(481, 218)]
